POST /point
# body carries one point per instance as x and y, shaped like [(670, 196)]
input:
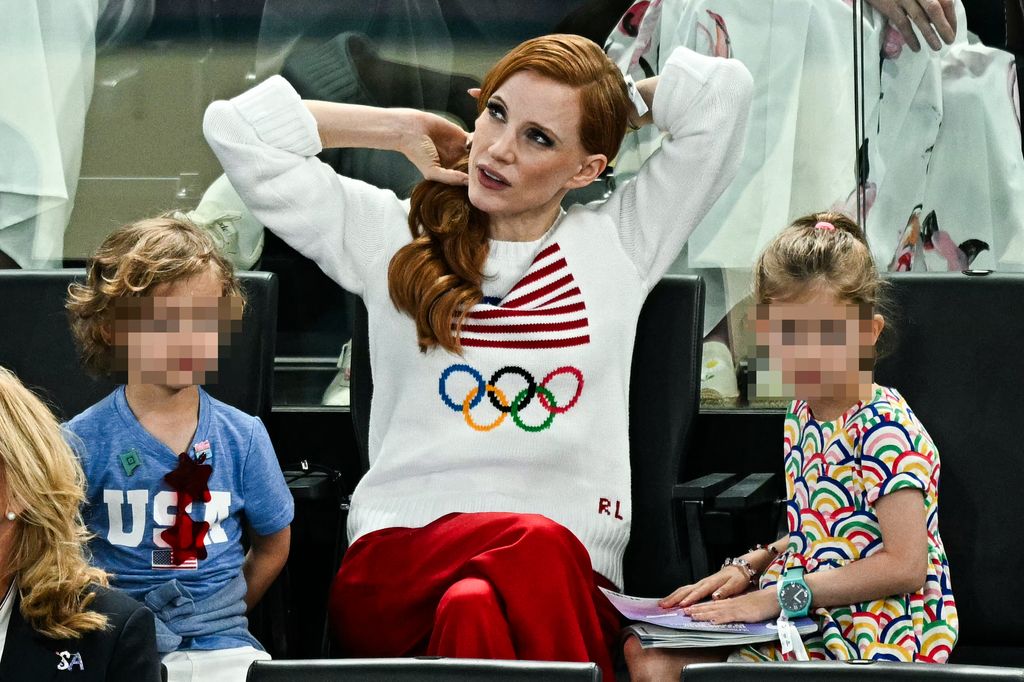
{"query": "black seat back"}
[(861, 671), (960, 366), (421, 670), (664, 399), (361, 382), (38, 346)]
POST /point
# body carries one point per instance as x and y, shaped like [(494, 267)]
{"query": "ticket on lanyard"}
[(790, 640), (785, 638)]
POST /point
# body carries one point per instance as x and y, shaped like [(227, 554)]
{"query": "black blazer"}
[(124, 652)]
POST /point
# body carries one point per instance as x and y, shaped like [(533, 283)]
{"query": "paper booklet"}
[(671, 628)]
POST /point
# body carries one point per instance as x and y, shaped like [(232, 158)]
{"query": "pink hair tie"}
[(824, 225)]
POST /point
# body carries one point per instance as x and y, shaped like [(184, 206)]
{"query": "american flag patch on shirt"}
[(164, 559), (545, 309)]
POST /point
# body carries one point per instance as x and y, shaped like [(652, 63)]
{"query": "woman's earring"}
[(11, 516)]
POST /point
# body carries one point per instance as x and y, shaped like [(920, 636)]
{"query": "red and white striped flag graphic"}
[(545, 309)]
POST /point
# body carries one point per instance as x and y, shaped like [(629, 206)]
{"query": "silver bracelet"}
[(772, 552), (743, 565)]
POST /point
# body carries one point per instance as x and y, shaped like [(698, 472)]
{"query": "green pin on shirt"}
[(130, 461)]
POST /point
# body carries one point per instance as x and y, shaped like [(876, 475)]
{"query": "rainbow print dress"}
[(835, 472)]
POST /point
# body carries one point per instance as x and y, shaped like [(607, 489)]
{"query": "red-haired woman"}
[(501, 331)]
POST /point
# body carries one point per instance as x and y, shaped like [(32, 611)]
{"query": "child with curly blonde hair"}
[(174, 475)]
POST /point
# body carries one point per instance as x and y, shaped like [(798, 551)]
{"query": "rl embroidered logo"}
[(68, 660), (604, 506)]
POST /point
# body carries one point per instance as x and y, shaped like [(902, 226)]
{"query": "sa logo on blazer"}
[(69, 661)]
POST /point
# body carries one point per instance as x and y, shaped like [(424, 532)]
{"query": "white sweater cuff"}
[(278, 116), (685, 74)]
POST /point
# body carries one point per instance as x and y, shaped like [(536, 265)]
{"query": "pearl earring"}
[(11, 516)]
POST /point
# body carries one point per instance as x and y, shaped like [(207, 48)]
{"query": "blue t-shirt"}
[(130, 507)]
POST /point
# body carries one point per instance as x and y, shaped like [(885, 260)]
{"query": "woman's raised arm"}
[(701, 104), (267, 140), (433, 144)]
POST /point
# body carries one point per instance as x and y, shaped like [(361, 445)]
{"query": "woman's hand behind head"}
[(435, 146)]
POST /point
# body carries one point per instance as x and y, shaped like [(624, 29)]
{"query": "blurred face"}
[(820, 348), (172, 337), (526, 150)]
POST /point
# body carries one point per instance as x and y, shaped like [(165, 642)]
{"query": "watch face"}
[(794, 596)]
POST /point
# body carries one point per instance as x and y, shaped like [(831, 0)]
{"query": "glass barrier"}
[(102, 105), (908, 123)]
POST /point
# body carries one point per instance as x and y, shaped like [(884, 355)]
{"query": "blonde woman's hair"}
[(132, 261), (44, 481)]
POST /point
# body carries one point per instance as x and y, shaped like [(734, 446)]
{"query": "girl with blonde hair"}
[(863, 556)]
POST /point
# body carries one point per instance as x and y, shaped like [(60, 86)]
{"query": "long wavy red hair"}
[(437, 277)]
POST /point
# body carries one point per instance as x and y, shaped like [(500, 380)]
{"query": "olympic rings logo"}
[(499, 399)]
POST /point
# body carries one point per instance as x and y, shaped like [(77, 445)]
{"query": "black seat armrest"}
[(312, 482), (309, 486), (694, 495), (703, 489), (753, 491)]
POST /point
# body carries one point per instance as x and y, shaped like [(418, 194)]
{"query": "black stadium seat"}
[(959, 363), (37, 344), (957, 359), (859, 671), (420, 670), (666, 362)]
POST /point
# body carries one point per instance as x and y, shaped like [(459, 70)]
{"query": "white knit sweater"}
[(533, 417)]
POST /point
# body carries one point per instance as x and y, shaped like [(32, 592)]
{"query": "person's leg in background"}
[(654, 665)]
